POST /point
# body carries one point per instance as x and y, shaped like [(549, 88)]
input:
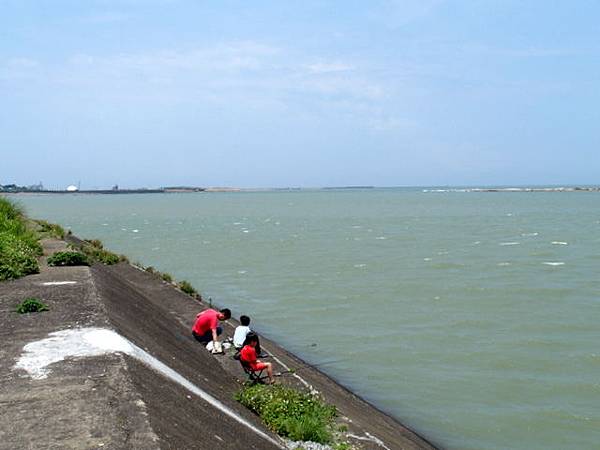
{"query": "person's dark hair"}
[(245, 320), (226, 313), (250, 337)]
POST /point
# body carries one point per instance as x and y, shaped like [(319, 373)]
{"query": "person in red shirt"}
[(206, 328), (248, 356)]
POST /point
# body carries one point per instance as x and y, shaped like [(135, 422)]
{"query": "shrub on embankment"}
[(290, 413), (95, 251), (68, 259), (187, 287), (19, 246), (51, 229)]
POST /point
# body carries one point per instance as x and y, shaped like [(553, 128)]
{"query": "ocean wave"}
[(554, 263), (448, 265), (529, 234), (504, 244), (559, 243)]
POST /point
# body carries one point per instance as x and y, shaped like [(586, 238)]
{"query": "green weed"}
[(187, 287), (95, 251), (19, 246), (31, 305), (342, 446), (51, 229), (68, 259), (290, 413)]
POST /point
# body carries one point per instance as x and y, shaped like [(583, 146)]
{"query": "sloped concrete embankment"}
[(159, 315), (116, 401)]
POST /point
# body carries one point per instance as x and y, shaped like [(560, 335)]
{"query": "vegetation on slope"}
[(47, 229), (95, 251), (31, 305), (290, 413), (68, 259), (19, 246)]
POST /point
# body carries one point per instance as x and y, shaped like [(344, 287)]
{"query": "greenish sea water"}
[(472, 317)]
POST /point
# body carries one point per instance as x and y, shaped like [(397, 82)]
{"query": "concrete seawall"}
[(114, 400)]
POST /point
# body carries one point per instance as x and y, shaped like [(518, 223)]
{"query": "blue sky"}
[(311, 93)]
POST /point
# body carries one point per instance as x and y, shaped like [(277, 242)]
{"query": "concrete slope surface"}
[(113, 365)]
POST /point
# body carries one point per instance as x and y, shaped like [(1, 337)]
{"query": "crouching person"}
[(248, 356), (206, 328)]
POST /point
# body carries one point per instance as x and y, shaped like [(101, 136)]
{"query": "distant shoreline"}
[(521, 189), (171, 190)]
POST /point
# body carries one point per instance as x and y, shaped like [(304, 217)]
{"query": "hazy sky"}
[(306, 93)]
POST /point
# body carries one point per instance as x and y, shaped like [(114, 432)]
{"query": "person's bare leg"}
[(270, 372)]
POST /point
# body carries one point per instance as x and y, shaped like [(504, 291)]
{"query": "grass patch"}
[(51, 229), (68, 259), (31, 305), (290, 413), (95, 251), (187, 287), (166, 277), (19, 246)]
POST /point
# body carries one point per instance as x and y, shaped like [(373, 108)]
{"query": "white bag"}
[(214, 347)]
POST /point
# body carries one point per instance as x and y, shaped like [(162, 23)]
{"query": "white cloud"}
[(248, 74), (247, 68), (391, 124), (324, 67), (105, 18), (19, 68)]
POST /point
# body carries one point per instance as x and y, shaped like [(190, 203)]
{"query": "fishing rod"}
[(313, 366)]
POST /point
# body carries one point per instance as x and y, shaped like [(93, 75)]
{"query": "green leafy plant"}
[(290, 413), (31, 305), (96, 252), (94, 243), (19, 246), (187, 287), (342, 446), (18, 257), (150, 269), (68, 259), (167, 277), (51, 229)]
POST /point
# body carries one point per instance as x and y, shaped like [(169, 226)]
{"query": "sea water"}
[(471, 317)]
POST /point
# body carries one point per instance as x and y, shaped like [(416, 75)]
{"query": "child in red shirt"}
[(248, 356)]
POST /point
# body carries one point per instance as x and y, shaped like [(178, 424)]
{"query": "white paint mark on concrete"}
[(85, 342), (369, 437), (58, 283)]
